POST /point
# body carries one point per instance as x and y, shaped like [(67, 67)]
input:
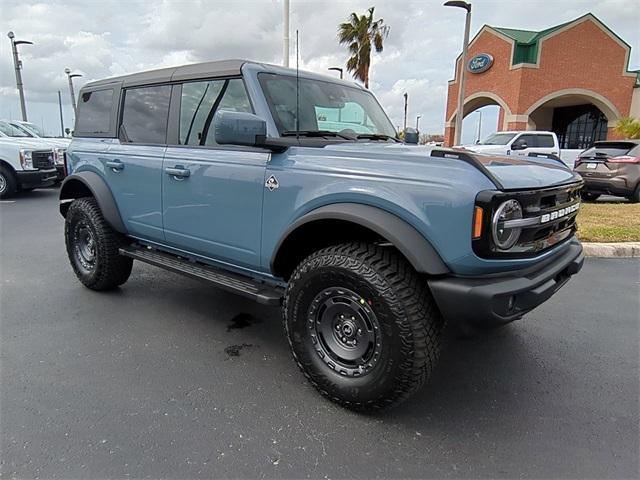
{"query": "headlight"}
[(25, 160), (58, 155), (504, 236)]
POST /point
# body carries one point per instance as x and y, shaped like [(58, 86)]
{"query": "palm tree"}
[(359, 33), (628, 127)]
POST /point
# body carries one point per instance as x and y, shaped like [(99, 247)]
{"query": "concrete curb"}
[(622, 249)]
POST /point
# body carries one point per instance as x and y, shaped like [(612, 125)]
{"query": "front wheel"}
[(362, 325), (92, 247), (7, 183)]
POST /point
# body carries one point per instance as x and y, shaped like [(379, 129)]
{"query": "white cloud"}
[(101, 39)]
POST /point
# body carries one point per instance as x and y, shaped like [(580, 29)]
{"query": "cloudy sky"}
[(105, 38)]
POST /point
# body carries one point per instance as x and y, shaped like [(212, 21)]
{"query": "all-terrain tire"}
[(92, 247), (391, 296), (8, 184)]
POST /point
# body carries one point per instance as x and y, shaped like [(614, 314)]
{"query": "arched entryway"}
[(475, 102), (579, 117)]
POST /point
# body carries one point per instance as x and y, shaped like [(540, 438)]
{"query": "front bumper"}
[(495, 300), (61, 173), (36, 178)]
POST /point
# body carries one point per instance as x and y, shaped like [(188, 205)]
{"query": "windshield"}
[(11, 131), (31, 128), (324, 106), (498, 139)]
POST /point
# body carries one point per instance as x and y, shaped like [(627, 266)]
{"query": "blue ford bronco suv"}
[(293, 190)]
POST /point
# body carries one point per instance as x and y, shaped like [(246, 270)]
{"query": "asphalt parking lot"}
[(169, 378)]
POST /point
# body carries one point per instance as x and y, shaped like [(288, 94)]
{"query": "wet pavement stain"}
[(242, 320), (234, 350)]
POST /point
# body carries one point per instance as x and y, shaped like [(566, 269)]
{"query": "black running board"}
[(245, 286)]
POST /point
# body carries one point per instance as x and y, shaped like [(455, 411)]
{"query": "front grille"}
[(551, 215), (42, 159)]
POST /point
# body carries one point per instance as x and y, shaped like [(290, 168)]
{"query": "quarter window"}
[(199, 103), (145, 114), (94, 112)]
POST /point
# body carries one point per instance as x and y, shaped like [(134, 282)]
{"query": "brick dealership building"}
[(572, 79)]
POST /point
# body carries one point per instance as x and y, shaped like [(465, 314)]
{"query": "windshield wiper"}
[(376, 136), (316, 133)]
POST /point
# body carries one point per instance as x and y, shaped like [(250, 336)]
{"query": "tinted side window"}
[(545, 141), (145, 114), (201, 100), (94, 112)]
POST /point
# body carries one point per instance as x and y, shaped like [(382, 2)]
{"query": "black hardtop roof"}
[(218, 68), (194, 71)]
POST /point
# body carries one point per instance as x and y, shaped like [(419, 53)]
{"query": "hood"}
[(512, 172), (499, 149), (29, 143)]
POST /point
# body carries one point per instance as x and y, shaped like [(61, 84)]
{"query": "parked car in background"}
[(264, 182), (19, 129), (518, 143), (24, 165), (611, 167)]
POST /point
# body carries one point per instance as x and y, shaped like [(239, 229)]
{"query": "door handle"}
[(178, 172), (115, 165)]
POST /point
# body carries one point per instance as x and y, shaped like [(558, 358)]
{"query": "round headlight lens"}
[(505, 237)]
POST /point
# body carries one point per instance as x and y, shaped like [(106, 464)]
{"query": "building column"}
[(449, 134)]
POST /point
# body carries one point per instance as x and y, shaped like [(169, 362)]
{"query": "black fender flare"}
[(76, 186), (411, 243)]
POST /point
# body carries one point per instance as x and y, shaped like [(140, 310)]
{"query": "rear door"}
[(133, 165), (212, 194)]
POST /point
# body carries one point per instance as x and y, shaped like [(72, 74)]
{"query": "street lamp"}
[(463, 65), (337, 69), (73, 95), (418, 117), (17, 63)]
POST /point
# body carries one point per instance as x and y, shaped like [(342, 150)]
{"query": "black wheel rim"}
[(344, 331), (84, 246)]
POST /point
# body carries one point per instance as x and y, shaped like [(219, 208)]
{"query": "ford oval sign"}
[(480, 63)]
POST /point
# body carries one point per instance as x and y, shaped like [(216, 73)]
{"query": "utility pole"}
[(463, 66), (71, 92), (61, 118), (17, 63), (406, 99), (285, 38), (418, 123)]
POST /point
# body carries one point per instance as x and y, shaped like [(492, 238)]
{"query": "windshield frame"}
[(285, 132)]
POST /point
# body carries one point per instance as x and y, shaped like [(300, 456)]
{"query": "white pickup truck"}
[(25, 165), (522, 143)]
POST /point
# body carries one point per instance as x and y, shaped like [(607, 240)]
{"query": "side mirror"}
[(519, 146), (239, 128)]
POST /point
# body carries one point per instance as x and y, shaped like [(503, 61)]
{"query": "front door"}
[(212, 194)]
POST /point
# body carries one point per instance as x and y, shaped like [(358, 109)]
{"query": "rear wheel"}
[(8, 184), (589, 196), (362, 325), (635, 196), (92, 247)]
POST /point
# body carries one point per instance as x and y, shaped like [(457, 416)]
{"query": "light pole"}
[(418, 122), (479, 127), (406, 100), (61, 118), (463, 66), (337, 69), (17, 63), (70, 76), (285, 34)]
